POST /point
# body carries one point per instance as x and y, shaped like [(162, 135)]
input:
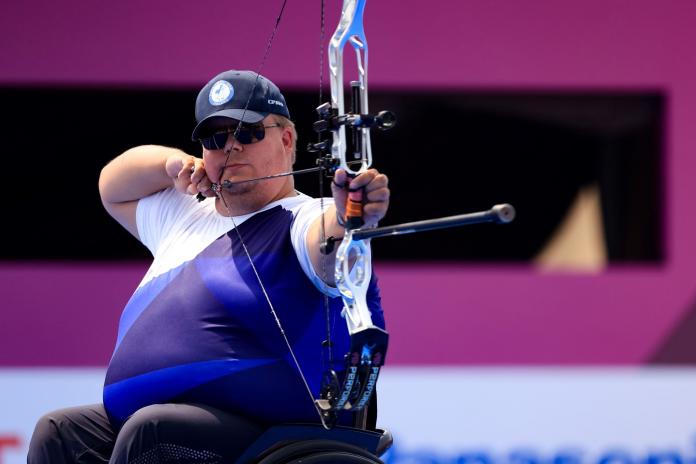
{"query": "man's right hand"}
[(144, 170), (188, 175)]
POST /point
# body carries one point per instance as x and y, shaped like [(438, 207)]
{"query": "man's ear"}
[(288, 142), (287, 138)]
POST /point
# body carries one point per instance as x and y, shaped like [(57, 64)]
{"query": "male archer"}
[(201, 366)]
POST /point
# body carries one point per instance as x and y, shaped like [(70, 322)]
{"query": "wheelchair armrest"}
[(385, 442)]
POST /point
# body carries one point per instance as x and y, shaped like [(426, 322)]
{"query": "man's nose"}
[(232, 144)]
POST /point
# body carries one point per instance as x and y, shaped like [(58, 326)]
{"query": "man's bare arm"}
[(142, 171)]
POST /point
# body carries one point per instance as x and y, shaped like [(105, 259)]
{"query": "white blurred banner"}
[(26, 394), (460, 415)]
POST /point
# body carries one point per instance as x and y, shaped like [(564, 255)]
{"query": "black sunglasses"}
[(244, 133)]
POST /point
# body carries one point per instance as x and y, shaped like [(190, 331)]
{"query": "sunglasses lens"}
[(219, 140), (207, 143), (259, 132), (245, 135), (250, 134), (215, 141)]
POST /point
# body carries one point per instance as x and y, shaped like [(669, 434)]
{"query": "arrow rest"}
[(327, 247)]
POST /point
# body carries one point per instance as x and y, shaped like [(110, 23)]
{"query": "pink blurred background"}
[(65, 314)]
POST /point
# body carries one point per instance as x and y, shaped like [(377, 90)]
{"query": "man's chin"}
[(238, 189)]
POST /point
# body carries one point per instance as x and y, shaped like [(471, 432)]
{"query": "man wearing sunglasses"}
[(200, 368)]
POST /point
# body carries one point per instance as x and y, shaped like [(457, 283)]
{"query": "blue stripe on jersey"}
[(166, 384), (141, 298)]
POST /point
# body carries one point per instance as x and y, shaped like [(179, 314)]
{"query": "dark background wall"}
[(452, 152)]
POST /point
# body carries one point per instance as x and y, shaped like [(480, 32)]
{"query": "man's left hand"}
[(375, 194)]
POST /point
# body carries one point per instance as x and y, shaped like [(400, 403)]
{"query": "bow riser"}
[(352, 280)]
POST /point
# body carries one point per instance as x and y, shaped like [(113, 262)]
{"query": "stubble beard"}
[(241, 199)]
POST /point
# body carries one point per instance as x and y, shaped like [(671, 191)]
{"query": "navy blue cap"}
[(226, 96)]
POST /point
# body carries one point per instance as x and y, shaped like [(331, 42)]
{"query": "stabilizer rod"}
[(501, 214)]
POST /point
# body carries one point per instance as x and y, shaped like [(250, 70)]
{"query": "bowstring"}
[(328, 351), (219, 192), (256, 80), (273, 311)]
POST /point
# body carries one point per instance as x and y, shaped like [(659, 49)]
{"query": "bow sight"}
[(331, 121)]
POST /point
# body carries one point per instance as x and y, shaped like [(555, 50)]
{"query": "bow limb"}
[(350, 30)]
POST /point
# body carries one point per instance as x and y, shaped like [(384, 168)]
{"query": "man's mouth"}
[(230, 170), (232, 173)]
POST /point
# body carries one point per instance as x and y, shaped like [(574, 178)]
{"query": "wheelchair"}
[(313, 444)]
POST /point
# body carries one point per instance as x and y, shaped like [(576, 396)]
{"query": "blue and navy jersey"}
[(203, 331)]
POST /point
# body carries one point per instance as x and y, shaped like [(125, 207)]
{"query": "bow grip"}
[(354, 205)]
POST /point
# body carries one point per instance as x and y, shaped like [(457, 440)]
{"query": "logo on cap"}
[(221, 92)]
